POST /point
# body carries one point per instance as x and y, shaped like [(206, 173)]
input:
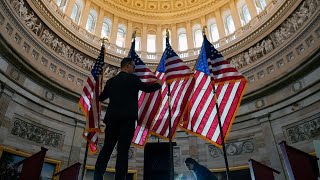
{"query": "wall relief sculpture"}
[(35, 133), (303, 131), (277, 37), (233, 149), (111, 71), (52, 41)]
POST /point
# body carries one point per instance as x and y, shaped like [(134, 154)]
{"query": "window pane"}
[(263, 4), (74, 12), (58, 2), (230, 25), (183, 43), (120, 37), (214, 32), (151, 43), (105, 30), (90, 23), (138, 44), (246, 14), (198, 38)]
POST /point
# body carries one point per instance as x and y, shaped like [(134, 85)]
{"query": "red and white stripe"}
[(203, 117), (176, 69), (221, 70), (90, 106), (148, 105), (181, 90)]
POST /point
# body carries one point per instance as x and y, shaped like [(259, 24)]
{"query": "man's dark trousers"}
[(121, 131)]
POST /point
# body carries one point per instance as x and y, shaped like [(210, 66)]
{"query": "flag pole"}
[(170, 126), (85, 161), (87, 144), (219, 120)]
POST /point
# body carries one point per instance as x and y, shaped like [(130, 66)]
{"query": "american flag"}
[(201, 118), (172, 70), (148, 103), (89, 103)]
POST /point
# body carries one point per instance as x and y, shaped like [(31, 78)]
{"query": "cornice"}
[(153, 17)]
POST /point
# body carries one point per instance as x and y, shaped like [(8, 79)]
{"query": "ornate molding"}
[(302, 131), (277, 38), (39, 134), (49, 38), (233, 149)]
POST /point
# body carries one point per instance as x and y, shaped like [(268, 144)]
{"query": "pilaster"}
[(189, 35), (85, 13), (271, 146), (129, 35), (99, 23), (252, 8), (235, 14)]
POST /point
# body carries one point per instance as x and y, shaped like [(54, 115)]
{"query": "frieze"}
[(280, 63), (277, 37), (54, 42), (233, 149), (36, 133), (111, 71), (303, 131)]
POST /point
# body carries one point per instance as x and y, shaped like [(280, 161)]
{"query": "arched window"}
[(91, 22), (164, 39), (229, 25), (151, 43), (76, 11), (260, 5), (121, 35), (198, 38), (106, 28), (245, 15), (138, 44), (214, 32), (59, 2), (182, 39)]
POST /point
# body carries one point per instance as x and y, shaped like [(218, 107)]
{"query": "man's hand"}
[(159, 82)]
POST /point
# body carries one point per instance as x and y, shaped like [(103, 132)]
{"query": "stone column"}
[(235, 14), (174, 37), (204, 23), (99, 23), (5, 99), (189, 35), (69, 7), (129, 35), (144, 37), (271, 146), (252, 8), (220, 24), (84, 14), (159, 40), (75, 150), (113, 36)]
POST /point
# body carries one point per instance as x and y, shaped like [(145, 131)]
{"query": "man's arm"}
[(105, 93), (148, 88)]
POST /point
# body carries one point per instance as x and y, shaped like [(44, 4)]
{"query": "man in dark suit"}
[(201, 172), (122, 113)]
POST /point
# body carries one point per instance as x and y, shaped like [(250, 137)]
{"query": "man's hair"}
[(190, 160), (126, 61)]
